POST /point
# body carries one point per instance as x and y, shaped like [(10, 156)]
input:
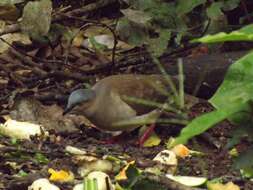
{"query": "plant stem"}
[(181, 83), (167, 77)]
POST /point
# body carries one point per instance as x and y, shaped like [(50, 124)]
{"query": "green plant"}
[(160, 21), (233, 99)]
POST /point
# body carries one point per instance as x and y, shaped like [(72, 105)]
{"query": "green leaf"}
[(36, 18), (244, 34), (55, 32), (218, 21), (131, 32), (245, 160), (164, 15), (96, 45), (232, 100), (229, 5), (130, 14), (214, 11), (237, 86), (133, 175), (204, 122), (40, 158), (159, 45), (237, 83), (14, 141), (22, 173), (136, 181), (145, 4), (247, 172), (184, 6), (90, 184), (239, 133)]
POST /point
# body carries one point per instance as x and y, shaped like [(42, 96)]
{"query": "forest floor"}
[(35, 157)]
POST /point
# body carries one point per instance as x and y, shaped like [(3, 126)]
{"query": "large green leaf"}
[(244, 34), (232, 100), (206, 121), (237, 83), (237, 86)]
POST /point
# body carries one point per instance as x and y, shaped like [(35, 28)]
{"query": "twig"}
[(36, 68), (11, 74), (85, 10), (64, 75)]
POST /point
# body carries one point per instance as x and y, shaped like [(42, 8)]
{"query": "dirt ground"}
[(216, 163)]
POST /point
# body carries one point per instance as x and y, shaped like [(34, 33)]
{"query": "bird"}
[(107, 104)]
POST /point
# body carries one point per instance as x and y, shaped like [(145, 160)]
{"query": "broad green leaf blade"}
[(244, 34), (237, 83), (237, 86), (204, 122), (239, 73)]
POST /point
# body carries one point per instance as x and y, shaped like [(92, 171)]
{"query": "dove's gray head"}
[(78, 97)]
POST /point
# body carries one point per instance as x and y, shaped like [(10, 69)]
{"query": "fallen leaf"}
[(122, 174), (61, 175), (181, 151), (9, 12), (43, 184), (219, 186), (20, 130), (18, 37), (168, 159), (153, 140), (106, 40), (188, 180)]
